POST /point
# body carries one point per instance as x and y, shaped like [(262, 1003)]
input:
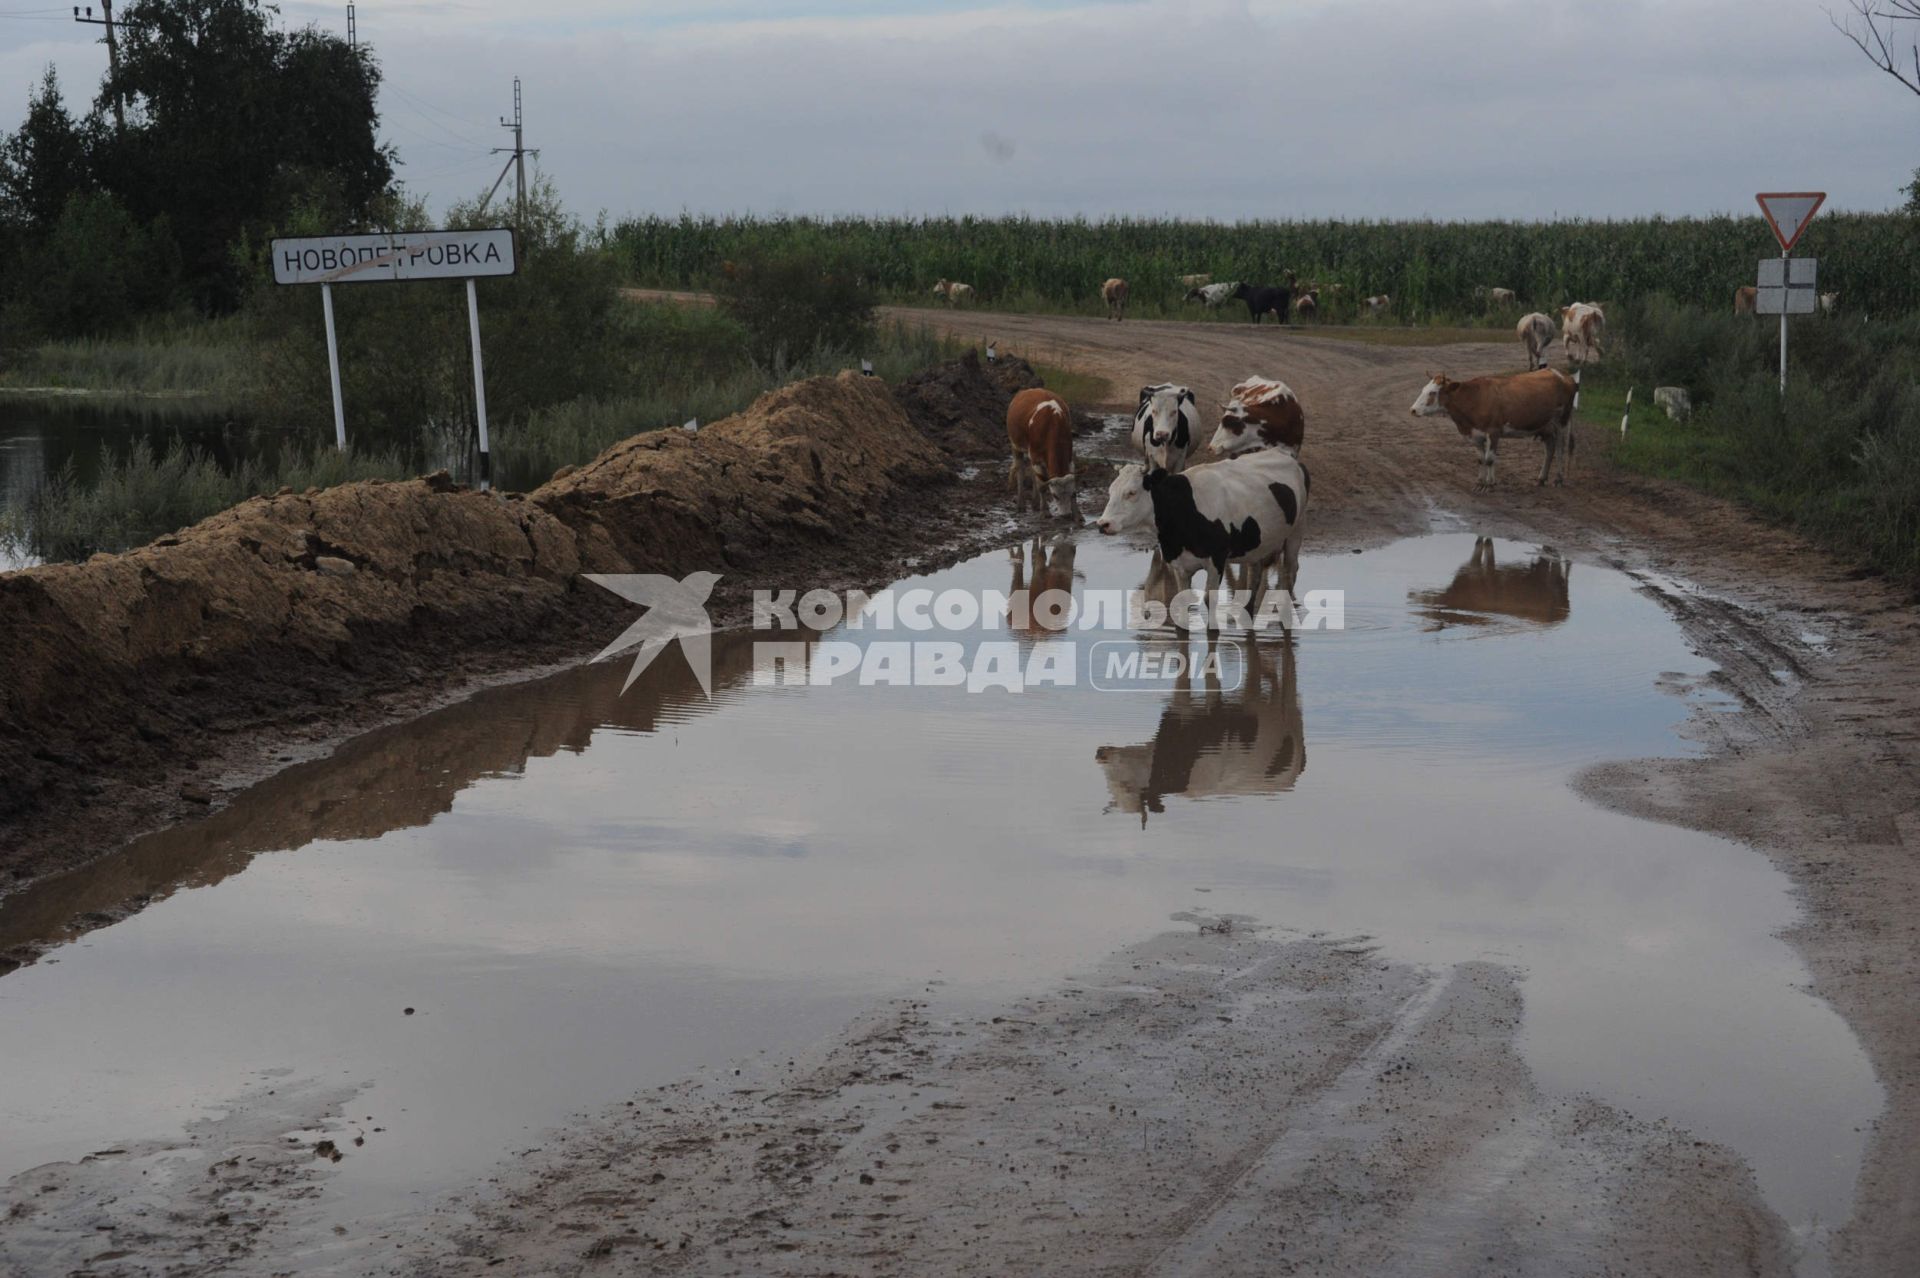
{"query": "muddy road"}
[(1510, 1000)]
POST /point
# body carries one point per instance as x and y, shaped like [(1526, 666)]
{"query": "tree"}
[(231, 120), (1875, 26), (44, 163)]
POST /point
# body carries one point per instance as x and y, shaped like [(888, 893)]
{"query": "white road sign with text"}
[(403, 255)]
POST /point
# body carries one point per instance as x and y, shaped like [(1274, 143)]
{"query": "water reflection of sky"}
[(585, 893)]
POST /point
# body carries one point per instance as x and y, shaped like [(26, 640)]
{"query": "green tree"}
[(44, 163), (231, 120)]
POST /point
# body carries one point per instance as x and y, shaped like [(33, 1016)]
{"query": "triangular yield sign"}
[(1788, 213)]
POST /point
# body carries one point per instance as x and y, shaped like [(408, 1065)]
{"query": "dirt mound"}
[(121, 671), (962, 406)]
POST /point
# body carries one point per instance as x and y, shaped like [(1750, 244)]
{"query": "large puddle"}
[(582, 893)]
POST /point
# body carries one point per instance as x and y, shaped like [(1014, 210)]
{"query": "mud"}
[(1204, 1104)]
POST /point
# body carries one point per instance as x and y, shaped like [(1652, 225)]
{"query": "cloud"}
[(1195, 108)]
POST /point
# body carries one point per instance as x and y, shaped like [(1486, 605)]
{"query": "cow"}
[(955, 292), (1829, 302), (1261, 299), (1486, 409), (1307, 305), (1501, 297), (1375, 305), (1536, 334), (1040, 440), (1745, 299), (1263, 413), (1191, 282), (1209, 743), (1534, 592), (1246, 510), (1213, 296), (1582, 325), (1114, 294), (1166, 425)]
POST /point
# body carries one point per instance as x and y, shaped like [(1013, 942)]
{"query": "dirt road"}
[(1228, 1103), (1820, 768)]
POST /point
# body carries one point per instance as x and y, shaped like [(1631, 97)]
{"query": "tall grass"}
[(1429, 269), (1838, 456), (210, 361), (149, 492), (528, 451)]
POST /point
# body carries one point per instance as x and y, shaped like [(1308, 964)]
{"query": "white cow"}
[(1536, 334), (1248, 510), (1582, 325), (1166, 425), (956, 293), (1213, 296)]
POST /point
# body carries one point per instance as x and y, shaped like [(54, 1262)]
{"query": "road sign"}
[(1787, 286), (402, 255), (1788, 213), (327, 260)]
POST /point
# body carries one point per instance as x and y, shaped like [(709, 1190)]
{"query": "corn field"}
[(1431, 270)]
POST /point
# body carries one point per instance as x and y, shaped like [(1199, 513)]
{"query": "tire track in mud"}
[(1103, 1128)]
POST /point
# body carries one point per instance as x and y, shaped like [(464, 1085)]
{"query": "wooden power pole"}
[(113, 54)]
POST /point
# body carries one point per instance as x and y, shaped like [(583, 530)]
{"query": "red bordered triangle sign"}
[(1789, 212)]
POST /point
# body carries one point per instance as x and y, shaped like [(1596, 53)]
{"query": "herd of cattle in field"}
[(1245, 507)]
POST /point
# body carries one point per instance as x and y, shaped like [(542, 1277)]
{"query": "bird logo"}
[(676, 610)]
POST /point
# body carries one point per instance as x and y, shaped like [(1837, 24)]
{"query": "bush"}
[(793, 303), (1838, 456)]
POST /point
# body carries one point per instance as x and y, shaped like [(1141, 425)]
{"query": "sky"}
[(1224, 109)]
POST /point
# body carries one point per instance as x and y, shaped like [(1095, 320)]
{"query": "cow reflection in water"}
[(1210, 742), (1533, 591), (1040, 566)]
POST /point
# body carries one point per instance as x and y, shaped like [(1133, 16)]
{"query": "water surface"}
[(583, 893)]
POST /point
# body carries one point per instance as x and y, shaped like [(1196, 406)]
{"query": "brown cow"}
[(1582, 325), (1485, 409), (1040, 439), (1534, 592), (1046, 566), (1745, 298), (1114, 294), (1263, 413)]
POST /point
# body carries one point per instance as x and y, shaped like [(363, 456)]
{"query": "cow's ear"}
[(1146, 393)]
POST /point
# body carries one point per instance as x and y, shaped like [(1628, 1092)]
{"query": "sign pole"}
[(1785, 274), (333, 367), (479, 386)]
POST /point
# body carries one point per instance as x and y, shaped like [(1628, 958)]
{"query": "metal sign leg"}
[(333, 367), (1786, 276), (479, 386)]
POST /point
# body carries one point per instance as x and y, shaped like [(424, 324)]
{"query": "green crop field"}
[(1429, 269)]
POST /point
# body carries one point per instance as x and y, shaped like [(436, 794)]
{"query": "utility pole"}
[(353, 34), (113, 54), (516, 160)]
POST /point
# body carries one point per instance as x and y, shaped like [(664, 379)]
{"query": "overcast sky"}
[(1199, 108)]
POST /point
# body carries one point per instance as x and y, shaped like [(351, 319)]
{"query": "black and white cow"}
[(1248, 510), (1165, 425)]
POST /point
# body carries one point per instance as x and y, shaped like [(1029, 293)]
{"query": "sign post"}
[(1788, 287), (327, 260)]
